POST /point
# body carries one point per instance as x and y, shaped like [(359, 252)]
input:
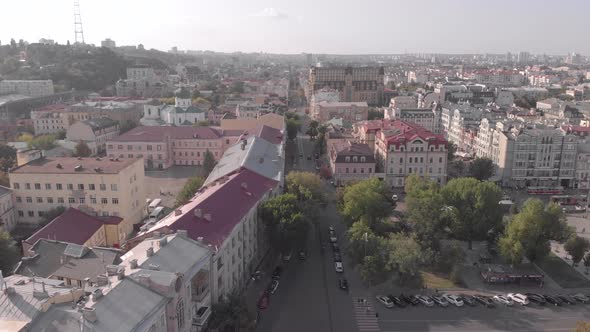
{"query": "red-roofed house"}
[(350, 161), (75, 226), (224, 216), (405, 148)]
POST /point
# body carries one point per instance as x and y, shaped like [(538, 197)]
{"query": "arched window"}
[(180, 314)]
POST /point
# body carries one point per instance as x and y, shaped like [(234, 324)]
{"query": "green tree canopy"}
[(576, 247), (406, 256), (188, 190), (292, 128), (43, 142), (237, 87), (9, 254), (231, 314), (472, 208), (424, 204), (285, 221), (481, 168), (82, 150), (306, 185), (529, 232), (7, 157), (51, 214), (362, 242), (366, 199), (208, 163)]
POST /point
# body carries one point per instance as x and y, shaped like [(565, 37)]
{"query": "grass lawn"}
[(436, 281), (563, 273)]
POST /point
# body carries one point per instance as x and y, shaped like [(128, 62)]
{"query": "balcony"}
[(201, 315)]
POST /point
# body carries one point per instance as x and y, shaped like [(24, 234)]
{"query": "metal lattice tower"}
[(78, 31)]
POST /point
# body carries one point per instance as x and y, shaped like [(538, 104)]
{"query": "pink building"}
[(350, 161), (164, 146)]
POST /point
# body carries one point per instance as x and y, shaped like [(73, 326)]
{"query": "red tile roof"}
[(270, 134), (73, 226), (402, 132), (226, 204), (157, 133)]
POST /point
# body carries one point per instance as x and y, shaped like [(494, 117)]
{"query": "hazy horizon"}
[(321, 27)]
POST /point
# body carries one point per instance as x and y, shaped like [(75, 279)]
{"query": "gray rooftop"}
[(5, 190), (258, 156), (100, 123)]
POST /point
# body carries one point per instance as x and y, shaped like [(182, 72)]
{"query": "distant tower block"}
[(78, 31)]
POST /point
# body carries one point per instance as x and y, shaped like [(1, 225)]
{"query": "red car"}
[(263, 301)]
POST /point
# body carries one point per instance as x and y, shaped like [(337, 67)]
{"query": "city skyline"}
[(384, 27)]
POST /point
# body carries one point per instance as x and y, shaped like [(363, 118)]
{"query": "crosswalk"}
[(365, 315)]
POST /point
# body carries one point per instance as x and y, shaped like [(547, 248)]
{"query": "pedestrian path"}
[(364, 313)]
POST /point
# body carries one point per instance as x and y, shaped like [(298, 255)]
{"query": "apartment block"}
[(349, 112), (355, 84), (94, 132), (97, 186), (33, 88), (350, 161)]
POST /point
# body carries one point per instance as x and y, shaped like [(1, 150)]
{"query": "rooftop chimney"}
[(177, 212), (150, 251), (163, 241), (133, 263), (89, 314), (244, 185), (198, 213), (207, 216)]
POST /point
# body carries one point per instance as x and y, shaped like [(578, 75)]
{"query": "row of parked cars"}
[(460, 300), (273, 286)]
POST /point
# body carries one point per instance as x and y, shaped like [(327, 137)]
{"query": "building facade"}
[(94, 132), (350, 161), (181, 113), (100, 187), (355, 84), (7, 211), (31, 88), (349, 112)]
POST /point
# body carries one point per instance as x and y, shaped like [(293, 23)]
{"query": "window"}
[(440, 159), (60, 200), (71, 200), (129, 147), (48, 186), (115, 200), (110, 147), (149, 148), (82, 200), (27, 186), (39, 199), (16, 185), (103, 187), (92, 200), (114, 187), (31, 213), (120, 147), (91, 186), (21, 213), (40, 213), (80, 186), (159, 148), (37, 186), (104, 201), (50, 200), (70, 186), (58, 186), (130, 155), (29, 199)]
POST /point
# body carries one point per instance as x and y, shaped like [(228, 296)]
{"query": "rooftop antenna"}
[(78, 31)]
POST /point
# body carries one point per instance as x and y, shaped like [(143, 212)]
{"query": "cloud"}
[(272, 13)]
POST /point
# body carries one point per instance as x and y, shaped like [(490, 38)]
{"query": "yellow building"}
[(97, 186)]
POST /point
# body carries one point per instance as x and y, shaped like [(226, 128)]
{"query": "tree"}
[(237, 87), (196, 94), (306, 186), (366, 199), (12, 43), (82, 150), (576, 247), (287, 225), (582, 327), (456, 169), (405, 255), (9, 254), (312, 131), (43, 142), (208, 163), (471, 207), (374, 114), (4, 180), (481, 168), (451, 150), (231, 314), (51, 214), (587, 261), (372, 268), (292, 128), (188, 190), (529, 232), (7, 157), (362, 242), (424, 204)]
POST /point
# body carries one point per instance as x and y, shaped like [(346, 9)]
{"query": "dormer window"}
[(355, 159), (347, 159), (363, 159)]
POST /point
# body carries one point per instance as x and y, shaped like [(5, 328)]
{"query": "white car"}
[(454, 299), (339, 268), (273, 286), (425, 300), (385, 301), (518, 298), (333, 238), (503, 300), (331, 228), (394, 198)]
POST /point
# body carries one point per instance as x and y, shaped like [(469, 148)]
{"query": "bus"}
[(564, 199), (154, 204), (545, 190), (157, 213)]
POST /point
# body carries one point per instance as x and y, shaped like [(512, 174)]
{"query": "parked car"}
[(385, 301), (566, 299), (581, 297), (441, 301), (405, 298), (302, 255), (454, 299), (412, 300), (331, 228), (502, 299), (337, 257), (333, 238), (468, 299), (335, 246), (276, 273), (263, 301), (425, 300), (398, 302), (287, 256), (274, 285), (536, 298), (338, 266), (518, 298), (394, 197), (343, 283), (485, 300), (552, 300)]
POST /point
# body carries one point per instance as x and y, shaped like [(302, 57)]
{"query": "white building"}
[(7, 211), (181, 113), (33, 88), (94, 132)]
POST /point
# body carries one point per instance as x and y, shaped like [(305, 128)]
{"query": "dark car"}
[(397, 301), (468, 299), (566, 298), (484, 300), (302, 255), (276, 273), (409, 299), (536, 298), (263, 301), (337, 258), (335, 246), (343, 283), (552, 300)]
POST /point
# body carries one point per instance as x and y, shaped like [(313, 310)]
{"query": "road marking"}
[(469, 319), (365, 316), (511, 330)]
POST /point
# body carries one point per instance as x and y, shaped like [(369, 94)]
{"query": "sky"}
[(311, 26)]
